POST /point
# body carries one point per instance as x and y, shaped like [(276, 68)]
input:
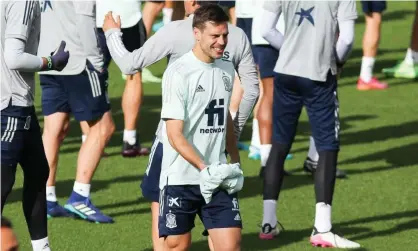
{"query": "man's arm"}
[(231, 141), (154, 49), (347, 14), (18, 26), (271, 14), (173, 113), (181, 145), (86, 26), (247, 72)]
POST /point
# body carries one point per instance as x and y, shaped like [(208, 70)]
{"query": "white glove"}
[(235, 181), (211, 178)]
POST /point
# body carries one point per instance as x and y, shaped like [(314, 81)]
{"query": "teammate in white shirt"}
[(197, 130)]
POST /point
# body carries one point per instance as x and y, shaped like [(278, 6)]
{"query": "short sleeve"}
[(274, 6), (19, 18), (347, 10), (87, 8), (174, 96)]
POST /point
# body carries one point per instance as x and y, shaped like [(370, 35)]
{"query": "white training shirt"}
[(199, 94), (128, 10), (244, 8)]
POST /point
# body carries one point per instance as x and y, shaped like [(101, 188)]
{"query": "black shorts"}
[(132, 37)]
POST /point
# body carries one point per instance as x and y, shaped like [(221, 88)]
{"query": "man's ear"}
[(197, 33)]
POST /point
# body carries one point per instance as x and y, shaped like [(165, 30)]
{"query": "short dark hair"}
[(206, 2), (5, 222), (209, 13)]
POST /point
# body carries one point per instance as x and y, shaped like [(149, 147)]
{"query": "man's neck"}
[(199, 54)]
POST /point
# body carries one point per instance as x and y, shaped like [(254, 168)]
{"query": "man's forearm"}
[(231, 141), (182, 146)]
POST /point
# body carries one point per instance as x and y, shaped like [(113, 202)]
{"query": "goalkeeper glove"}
[(235, 181), (58, 59)]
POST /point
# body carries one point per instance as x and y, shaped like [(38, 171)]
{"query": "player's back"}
[(308, 49), (206, 91), (59, 23), (21, 20)]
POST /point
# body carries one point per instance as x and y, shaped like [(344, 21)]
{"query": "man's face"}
[(213, 39), (8, 240)]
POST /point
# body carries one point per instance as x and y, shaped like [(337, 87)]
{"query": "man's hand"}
[(58, 59), (110, 23)]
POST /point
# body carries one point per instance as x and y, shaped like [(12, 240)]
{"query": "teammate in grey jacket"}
[(21, 140)]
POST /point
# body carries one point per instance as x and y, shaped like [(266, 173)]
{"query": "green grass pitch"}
[(376, 206)]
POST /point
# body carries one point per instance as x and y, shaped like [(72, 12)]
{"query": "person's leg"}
[(236, 97), (176, 220), (408, 68), (222, 218), (371, 38), (150, 190), (56, 110), (35, 172), (92, 106), (150, 12), (168, 11), (287, 106), (321, 100), (133, 38)]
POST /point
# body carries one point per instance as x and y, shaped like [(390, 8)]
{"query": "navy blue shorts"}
[(21, 138), (246, 25), (291, 93), (265, 57), (179, 206), (84, 95), (150, 183), (373, 6)]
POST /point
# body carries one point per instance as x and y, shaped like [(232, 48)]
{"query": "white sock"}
[(41, 245), (269, 212), (129, 136), (83, 138), (312, 153), (255, 138), (367, 65), (167, 15), (411, 56), (323, 217), (50, 194), (82, 189), (264, 153)]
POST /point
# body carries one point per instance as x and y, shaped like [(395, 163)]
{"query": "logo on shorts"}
[(27, 123), (170, 220), (227, 83), (237, 217), (235, 204), (174, 202)]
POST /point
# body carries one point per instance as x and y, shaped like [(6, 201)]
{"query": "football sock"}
[(269, 212), (325, 176), (167, 15), (41, 245), (312, 153), (411, 56), (83, 138), (129, 136), (323, 217), (82, 189), (233, 115), (50, 194), (273, 171), (366, 72), (264, 152), (255, 138)]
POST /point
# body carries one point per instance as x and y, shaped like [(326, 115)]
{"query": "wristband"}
[(49, 65)]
